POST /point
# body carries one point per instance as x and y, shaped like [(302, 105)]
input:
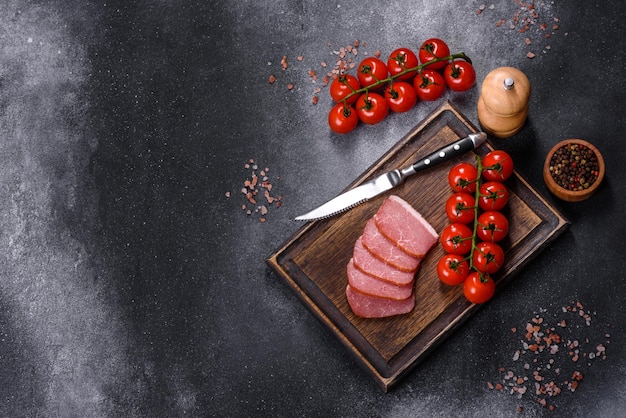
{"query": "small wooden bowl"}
[(566, 194)]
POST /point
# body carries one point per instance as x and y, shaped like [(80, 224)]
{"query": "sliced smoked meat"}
[(404, 226), (373, 307), (381, 247), (370, 285), (367, 263)]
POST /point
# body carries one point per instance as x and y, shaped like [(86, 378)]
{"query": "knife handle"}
[(451, 151)]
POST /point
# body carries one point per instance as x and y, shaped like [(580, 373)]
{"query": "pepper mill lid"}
[(506, 91)]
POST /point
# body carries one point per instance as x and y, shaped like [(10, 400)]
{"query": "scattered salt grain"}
[(549, 352), (530, 18), (254, 184), (344, 58)]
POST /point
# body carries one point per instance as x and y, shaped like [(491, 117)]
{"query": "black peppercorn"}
[(574, 167)]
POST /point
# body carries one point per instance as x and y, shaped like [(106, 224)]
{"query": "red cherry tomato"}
[(492, 226), (343, 86), (493, 196), (370, 71), (460, 207), (497, 166), (478, 288), (488, 257), (460, 75), (456, 238), (400, 60), (452, 269), (342, 118), (400, 96), (431, 49), (462, 178), (371, 108), (429, 85)]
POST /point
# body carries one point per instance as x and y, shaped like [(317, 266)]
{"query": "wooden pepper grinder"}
[(503, 102)]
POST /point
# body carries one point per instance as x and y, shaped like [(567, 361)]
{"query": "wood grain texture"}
[(313, 261)]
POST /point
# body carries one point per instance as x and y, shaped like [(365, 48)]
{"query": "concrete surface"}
[(131, 285)]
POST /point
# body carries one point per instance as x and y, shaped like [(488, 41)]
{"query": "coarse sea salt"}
[(551, 355)]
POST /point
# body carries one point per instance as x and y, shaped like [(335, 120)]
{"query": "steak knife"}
[(388, 181)]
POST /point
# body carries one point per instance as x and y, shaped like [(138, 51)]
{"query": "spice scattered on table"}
[(343, 59), (533, 19), (574, 167), (257, 189), (552, 357)]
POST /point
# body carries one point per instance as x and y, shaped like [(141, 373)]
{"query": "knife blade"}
[(388, 181)]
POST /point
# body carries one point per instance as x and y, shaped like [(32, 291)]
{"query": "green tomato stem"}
[(479, 170)]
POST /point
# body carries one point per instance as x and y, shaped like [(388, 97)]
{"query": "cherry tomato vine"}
[(474, 254), (416, 69), (396, 86)]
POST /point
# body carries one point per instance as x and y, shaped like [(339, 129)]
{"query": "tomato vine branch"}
[(479, 170)]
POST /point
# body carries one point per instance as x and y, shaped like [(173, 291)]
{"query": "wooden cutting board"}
[(313, 261)]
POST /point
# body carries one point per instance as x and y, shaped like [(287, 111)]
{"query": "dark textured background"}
[(130, 285)]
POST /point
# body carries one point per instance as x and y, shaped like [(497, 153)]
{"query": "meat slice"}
[(373, 307), (381, 247), (367, 263), (369, 285), (404, 226)]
